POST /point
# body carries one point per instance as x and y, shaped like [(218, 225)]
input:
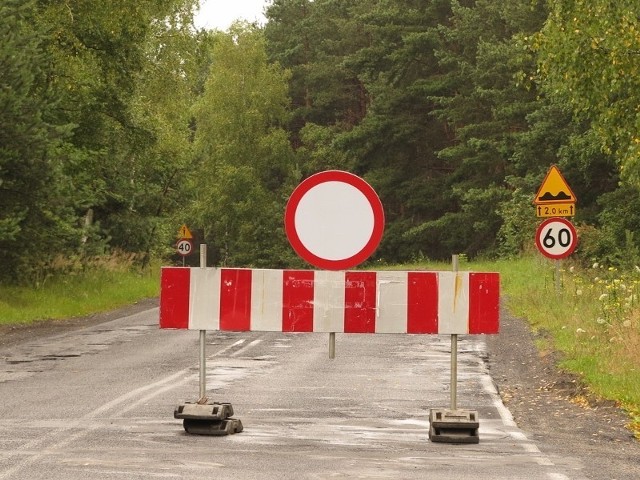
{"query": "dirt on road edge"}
[(553, 408)]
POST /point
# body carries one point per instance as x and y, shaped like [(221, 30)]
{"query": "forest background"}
[(119, 122)]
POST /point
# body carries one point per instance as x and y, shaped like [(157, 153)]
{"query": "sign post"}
[(556, 238), (204, 417), (184, 246), (203, 338), (454, 353), (454, 425)]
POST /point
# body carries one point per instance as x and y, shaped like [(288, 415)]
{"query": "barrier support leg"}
[(203, 364), (453, 425), (454, 372), (332, 345), (204, 417)]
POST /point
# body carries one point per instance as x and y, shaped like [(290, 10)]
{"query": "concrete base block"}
[(454, 426), (206, 411), (215, 428), (203, 418)]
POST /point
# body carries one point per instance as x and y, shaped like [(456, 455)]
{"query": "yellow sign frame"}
[(184, 233), (554, 190)]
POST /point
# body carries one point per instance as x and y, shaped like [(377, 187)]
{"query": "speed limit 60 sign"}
[(556, 238)]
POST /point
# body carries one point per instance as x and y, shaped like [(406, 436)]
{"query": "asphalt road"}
[(97, 402)]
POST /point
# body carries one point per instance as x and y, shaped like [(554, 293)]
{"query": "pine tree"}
[(35, 219)]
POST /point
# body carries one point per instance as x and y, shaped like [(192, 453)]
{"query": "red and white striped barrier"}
[(413, 302)]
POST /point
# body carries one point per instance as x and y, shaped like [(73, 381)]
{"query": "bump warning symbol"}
[(554, 189)]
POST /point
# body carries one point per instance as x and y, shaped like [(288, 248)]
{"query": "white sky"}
[(220, 14)]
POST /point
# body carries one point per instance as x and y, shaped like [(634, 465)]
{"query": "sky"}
[(220, 14)]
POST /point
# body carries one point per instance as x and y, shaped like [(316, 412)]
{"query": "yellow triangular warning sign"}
[(554, 189), (184, 233)]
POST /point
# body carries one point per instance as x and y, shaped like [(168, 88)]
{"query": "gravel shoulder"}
[(556, 411)]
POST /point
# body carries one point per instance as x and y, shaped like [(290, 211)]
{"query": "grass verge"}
[(76, 295), (590, 316)]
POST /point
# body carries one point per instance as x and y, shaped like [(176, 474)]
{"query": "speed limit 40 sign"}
[(184, 247), (556, 238)]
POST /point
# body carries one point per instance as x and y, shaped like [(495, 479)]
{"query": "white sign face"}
[(334, 220), (556, 238)]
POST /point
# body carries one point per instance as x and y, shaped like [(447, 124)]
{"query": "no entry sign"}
[(556, 238), (334, 220)]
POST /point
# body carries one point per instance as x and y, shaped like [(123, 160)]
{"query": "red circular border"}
[(334, 176), (571, 248)]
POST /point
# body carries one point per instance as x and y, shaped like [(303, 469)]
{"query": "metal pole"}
[(332, 345), (454, 353), (203, 335), (557, 275)]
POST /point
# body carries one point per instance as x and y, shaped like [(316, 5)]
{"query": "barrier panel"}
[(409, 302), (392, 302)]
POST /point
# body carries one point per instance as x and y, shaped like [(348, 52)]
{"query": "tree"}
[(588, 55), (160, 160), (36, 220), (107, 58), (487, 106), (395, 145), (94, 107), (364, 109), (313, 39), (246, 166)]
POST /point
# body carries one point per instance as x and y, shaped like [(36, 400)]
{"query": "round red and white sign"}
[(184, 247), (556, 238), (334, 220)]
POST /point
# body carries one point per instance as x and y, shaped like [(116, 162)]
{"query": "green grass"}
[(77, 295)]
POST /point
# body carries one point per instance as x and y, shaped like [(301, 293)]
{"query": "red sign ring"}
[(323, 247)]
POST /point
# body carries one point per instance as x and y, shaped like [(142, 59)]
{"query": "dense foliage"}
[(119, 122)]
